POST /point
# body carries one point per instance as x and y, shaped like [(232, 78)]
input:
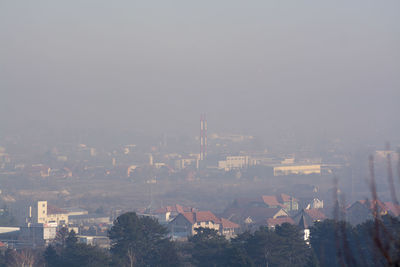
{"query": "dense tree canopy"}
[(373, 243), (209, 248), (141, 241), (74, 254), (283, 246)]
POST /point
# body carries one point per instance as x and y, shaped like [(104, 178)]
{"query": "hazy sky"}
[(260, 67)]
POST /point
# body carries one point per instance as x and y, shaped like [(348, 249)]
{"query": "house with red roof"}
[(168, 213), (289, 203), (310, 216), (272, 222), (186, 223), (363, 210), (272, 202), (267, 210), (284, 201)]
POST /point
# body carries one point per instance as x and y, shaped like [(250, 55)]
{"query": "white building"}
[(233, 162), (44, 214), (315, 204), (186, 162), (297, 169)]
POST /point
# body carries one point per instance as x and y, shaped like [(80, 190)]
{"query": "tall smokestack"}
[(203, 137)]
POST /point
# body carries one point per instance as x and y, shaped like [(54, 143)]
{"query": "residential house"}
[(272, 202), (304, 228), (168, 213), (363, 210), (315, 203), (253, 217), (310, 216), (186, 223), (289, 203), (266, 210)]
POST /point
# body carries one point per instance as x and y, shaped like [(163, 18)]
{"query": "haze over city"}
[(264, 68), (242, 124)]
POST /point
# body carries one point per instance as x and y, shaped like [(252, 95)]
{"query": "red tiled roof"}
[(228, 224), (204, 216), (278, 221), (257, 214), (179, 208), (372, 203), (176, 208), (286, 198), (315, 214), (271, 201), (207, 216), (201, 216), (189, 216)]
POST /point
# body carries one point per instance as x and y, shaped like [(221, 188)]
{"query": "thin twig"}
[(376, 238), (390, 179)]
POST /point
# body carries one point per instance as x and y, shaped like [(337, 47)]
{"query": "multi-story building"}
[(234, 162), (297, 169), (38, 234), (46, 214)]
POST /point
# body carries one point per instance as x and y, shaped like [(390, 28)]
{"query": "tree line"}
[(142, 241)]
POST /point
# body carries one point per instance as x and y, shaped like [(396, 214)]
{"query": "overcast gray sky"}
[(260, 67)]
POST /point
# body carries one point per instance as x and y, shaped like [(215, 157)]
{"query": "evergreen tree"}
[(261, 247), (51, 257), (283, 246), (339, 244), (75, 254), (61, 237), (323, 239), (378, 244), (236, 256), (141, 241), (294, 250), (209, 248)]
